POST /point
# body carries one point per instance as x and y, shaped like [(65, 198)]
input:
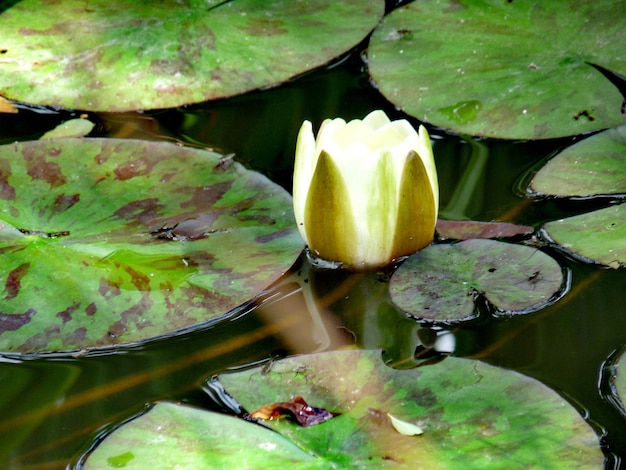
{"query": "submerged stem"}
[(467, 187)]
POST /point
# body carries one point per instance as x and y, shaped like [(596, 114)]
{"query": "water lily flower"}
[(365, 192)]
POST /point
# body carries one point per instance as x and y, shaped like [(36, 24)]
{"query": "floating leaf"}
[(474, 415), (514, 70), (468, 229), (114, 241), (598, 236), (113, 56), (72, 128), (297, 409), (174, 436), (596, 165), (440, 282)]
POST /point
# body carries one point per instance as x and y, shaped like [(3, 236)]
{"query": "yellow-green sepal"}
[(417, 210), (328, 217)]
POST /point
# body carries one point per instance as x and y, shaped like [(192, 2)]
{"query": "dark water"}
[(53, 407)]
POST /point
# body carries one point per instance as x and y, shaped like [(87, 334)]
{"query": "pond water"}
[(62, 403)]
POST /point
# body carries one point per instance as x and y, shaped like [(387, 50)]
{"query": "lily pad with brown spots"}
[(441, 282), (105, 242), (505, 69), (472, 415), (116, 56)]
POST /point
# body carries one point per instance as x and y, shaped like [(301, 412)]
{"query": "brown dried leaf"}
[(297, 409), (7, 107)]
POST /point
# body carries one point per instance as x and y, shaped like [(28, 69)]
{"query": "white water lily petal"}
[(326, 134), (385, 137), (304, 166), (354, 131), (425, 151), (376, 119)]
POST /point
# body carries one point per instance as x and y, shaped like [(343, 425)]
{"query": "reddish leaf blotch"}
[(297, 409)]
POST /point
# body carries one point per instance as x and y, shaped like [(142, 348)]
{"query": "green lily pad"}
[(513, 70), (598, 236), (118, 56), (175, 436), (440, 282), (108, 241), (473, 415), (596, 165), (73, 128)]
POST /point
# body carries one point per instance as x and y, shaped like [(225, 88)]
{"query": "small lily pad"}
[(513, 70), (107, 56), (73, 128), (598, 236), (440, 282), (594, 166), (473, 415), (176, 436), (107, 241)]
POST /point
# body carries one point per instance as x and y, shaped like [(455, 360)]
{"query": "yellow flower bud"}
[(365, 192)]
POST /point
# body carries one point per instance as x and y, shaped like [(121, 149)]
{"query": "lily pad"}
[(112, 56), (473, 415), (440, 282), (73, 128), (175, 436), (596, 165), (513, 70), (108, 241), (598, 236)]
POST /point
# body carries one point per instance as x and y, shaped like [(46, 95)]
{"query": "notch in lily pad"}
[(442, 282)]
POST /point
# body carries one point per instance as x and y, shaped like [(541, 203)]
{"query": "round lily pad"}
[(596, 165), (145, 55), (176, 436), (598, 236), (108, 241), (440, 282), (473, 415), (513, 70)]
